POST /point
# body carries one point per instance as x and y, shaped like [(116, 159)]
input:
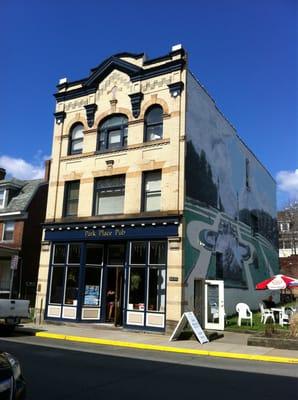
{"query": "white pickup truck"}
[(11, 312)]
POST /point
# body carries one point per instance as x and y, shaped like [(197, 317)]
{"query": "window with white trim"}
[(76, 139), (109, 195), (147, 276), (2, 198), (154, 123), (284, 226), (8, 231), (112, 133), (152, 191)]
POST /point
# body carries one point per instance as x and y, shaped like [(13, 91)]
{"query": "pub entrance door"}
[(114, 283)]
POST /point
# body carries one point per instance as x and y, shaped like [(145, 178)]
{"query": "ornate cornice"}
[(90, 113), (136, 100)]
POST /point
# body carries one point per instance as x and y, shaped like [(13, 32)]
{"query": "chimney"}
[(47, 170), (2, 173)]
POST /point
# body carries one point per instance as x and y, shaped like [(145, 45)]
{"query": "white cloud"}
[(287, 181), (21, 169)]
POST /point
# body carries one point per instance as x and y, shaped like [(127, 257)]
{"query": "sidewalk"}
[(232, 345)]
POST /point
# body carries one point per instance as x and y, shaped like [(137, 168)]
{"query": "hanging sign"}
[(190, 318)]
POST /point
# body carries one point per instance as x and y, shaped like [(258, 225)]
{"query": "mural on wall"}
[(230, 253), (218, 248), (230, 210)]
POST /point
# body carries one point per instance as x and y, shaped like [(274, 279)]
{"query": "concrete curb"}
[(143, 346)]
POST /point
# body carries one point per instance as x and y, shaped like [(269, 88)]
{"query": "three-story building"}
[(141, 204)]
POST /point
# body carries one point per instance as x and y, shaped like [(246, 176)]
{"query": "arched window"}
[(76, 139), (112, 133), (153, 123)]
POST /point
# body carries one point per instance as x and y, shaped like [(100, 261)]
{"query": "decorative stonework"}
[(156, 83), (113, 103), (90, 113), (136, 100), (151, 102), (72, 105), (60, 117), (118, 79), (176, 88)]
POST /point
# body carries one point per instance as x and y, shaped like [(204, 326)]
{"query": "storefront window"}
[(74, 253), (116, 254), (156, 289), (136, 298), (94, 254), (72, 285), (138, 253), (59, 254), (157, 253), (57, 285)]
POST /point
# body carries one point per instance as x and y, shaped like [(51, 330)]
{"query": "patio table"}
[(277, 311)]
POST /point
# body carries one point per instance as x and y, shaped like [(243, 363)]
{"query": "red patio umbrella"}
[(277, 282)]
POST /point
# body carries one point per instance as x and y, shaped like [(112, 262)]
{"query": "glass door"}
[(114, 283), (214, 305)]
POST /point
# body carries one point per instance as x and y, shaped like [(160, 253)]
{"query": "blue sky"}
[(244, 53)]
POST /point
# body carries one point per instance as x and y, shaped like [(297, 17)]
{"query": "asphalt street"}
[(59, 370)]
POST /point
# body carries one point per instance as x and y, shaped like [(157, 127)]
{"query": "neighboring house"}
[(288, 241), (288, 231), (22, 211), (152, 192)]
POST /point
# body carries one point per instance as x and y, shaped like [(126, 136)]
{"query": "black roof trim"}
[(83, 91), (159, 70), (69, 84), (136, 73), (105, 68)]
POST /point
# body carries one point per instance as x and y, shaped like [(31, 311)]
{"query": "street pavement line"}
[(143, 346)]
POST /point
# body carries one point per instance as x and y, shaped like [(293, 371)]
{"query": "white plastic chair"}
[(266, 313), (243, 313), (215, 313), (285, 315)]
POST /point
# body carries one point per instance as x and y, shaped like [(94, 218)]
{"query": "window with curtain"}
[(154, 123), (76, 139), (71, 198), (152, 191), (109, 195), (112, 133)]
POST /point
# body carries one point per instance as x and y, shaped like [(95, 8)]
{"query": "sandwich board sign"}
[(190, 318)]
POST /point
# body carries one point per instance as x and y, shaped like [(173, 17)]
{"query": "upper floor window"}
[(8, 231), (2, 198), (153, 123), (76, 139), (152, 191), (112, 133), (109, 195), (71, 198), (284, 226)]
